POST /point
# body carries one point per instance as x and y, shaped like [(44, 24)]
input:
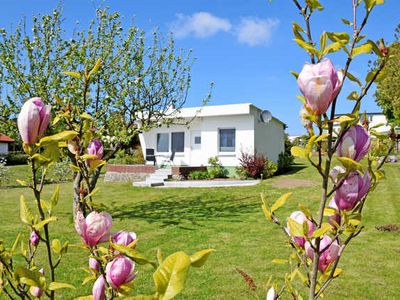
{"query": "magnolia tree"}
[(112, 256), (348, 171)]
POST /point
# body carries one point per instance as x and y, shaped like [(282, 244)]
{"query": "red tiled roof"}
[(4, 138)]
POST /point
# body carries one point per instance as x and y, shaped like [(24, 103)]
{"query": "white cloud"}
[(200, 24), (255, 31)]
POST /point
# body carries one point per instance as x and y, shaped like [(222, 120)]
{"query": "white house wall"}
[(269, 138), (208, 127), (3, 148)]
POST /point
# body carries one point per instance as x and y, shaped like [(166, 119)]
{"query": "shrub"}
[(270, 169), (285, 162), (124, 157), (3, 170), (60, 171), (251, 165), (216, 170), (198, 175), (16, 158)]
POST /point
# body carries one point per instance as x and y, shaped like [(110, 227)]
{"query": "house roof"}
[(6, 139), (219, 110)]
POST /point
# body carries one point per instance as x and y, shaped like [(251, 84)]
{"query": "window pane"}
[(178, 142), (162, 142), (227, 140), (197, 140)]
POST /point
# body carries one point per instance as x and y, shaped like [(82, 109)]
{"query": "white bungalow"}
[(222, 130), (5, 141)]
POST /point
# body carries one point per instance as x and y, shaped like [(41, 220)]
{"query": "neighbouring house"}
[(5, 142), (374, 119), (221, 130)]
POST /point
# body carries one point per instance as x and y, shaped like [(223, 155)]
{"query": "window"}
[(162, 142), (177, 141), (227, 140), (197, 140)]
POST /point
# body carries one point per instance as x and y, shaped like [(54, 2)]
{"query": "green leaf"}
[(86, 116), (322, 40), (265, 207), (133, 254), (325, 228), (344, 118), (364, 48), (160, 256), (349, 164), (353, 78), (142, 297), (279, 261), (282, 200), (321, 137), (306, 46), (334, 47), (30, 278), (89, 156), (74, 168), (296, 75), (328, 211), (314, 4), (347, 22), (51, 152), (41, 224), (62, 136), (298, 152), (25, 211), (55, 196), (199, 258), (59, 285), (56, 246), (170, 276), (73, 74), (22, 182), (301, 98), (16, 242), (295, 229), (353, 96), (95, 68), (40, 159), (342, 37)]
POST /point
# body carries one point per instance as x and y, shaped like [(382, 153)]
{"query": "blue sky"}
[(245, 47)]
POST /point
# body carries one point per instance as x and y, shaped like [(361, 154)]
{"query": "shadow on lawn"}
[(174, 210)]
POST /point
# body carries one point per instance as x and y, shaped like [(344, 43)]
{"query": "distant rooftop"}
[(6, 139), (219, 110)]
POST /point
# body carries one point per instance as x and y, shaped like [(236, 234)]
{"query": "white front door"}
[(195, 148)]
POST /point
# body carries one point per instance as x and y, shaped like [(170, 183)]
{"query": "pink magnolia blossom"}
[(96, 148), (95, 228), (99, 288), (330, 250), (355, 143), (37, 291), (124, 237), (94, 264), (120, 271), (320, 84), (336, 217), (271, 294), (300, 218), (33, 120), (352, 190), (34, 238)]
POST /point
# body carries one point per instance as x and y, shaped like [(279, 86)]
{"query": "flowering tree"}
[(348, 171)]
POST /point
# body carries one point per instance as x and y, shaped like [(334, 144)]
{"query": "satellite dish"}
[(266, 116)]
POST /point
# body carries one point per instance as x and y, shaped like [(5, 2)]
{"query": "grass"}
[(231, 221)]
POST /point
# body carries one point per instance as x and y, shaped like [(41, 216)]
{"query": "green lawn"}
[(231, 221)]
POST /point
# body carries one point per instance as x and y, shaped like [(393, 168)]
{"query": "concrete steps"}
[(155, 179)]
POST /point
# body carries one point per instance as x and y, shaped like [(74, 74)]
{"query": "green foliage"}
[(199, 175), (387, 95), (126, 158), (216, 170), (16, 158), (270, 169)]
